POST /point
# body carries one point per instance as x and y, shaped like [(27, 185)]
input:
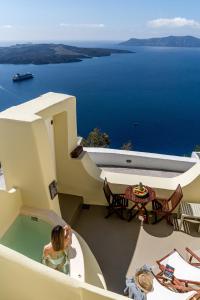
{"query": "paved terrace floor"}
[(143, 172), (120, 247)]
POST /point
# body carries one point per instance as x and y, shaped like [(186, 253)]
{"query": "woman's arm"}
[(68, 236), (44, 256)]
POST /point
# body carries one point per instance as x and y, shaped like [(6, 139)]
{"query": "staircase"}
[(70, 206)]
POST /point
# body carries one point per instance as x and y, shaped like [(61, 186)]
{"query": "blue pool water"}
[(27, 236), (151, 97)]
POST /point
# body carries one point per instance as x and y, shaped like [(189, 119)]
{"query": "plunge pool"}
[(27, 235)]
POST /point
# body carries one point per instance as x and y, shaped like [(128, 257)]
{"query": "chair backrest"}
[(107, 191), (175, 198)]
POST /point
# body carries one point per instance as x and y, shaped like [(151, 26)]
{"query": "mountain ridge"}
[(51, 53), (168, 41)]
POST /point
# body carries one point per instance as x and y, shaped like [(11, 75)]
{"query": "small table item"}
[(140, 192), (168, 272), (139, 202)]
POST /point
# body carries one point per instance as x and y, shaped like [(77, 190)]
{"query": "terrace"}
[(121, 247)]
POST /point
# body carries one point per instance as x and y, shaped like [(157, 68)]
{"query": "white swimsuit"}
[(60, 263)]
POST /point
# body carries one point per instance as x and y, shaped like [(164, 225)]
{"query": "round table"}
[(139, 203)]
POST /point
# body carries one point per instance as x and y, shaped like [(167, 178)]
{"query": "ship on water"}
[(20, 77)]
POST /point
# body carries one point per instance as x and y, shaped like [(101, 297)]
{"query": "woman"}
[(55, 254), (138, 287)]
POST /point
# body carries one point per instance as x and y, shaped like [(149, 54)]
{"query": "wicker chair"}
[(117, 203), (163, 208)]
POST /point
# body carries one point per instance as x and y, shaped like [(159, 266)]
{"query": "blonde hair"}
[(57, 238), (144, 281)]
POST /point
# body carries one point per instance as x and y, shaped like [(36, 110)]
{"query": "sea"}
[(150, 97)]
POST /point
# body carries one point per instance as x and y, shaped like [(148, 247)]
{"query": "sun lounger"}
[(162, 293), (193, 256), (183, 271)]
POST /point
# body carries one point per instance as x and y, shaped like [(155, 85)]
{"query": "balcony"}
[(140, 163)]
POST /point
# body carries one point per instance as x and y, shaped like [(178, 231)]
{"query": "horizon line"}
[(92, 40)]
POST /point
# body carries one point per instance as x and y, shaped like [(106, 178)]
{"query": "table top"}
[(129, 194)]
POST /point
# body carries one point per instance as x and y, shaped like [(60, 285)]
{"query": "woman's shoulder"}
[(47, 249)]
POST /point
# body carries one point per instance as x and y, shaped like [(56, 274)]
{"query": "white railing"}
[(141, 160)]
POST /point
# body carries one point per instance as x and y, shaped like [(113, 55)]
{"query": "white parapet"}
[(32, 280), (143, 160)]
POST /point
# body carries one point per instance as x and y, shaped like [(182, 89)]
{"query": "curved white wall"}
[(143, 160), (25, 279)]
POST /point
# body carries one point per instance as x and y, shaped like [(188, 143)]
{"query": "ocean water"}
[(151, 97)]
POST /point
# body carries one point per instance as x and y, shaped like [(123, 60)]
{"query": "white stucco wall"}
[(10, 205), (143, 160), (24, 279)]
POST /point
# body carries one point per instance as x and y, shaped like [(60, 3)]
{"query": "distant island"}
[(50, 53), (169, 41)]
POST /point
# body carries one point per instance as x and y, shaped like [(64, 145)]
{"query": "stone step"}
[(70, 206)]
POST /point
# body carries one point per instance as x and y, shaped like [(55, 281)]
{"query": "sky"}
[(31, 20)]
